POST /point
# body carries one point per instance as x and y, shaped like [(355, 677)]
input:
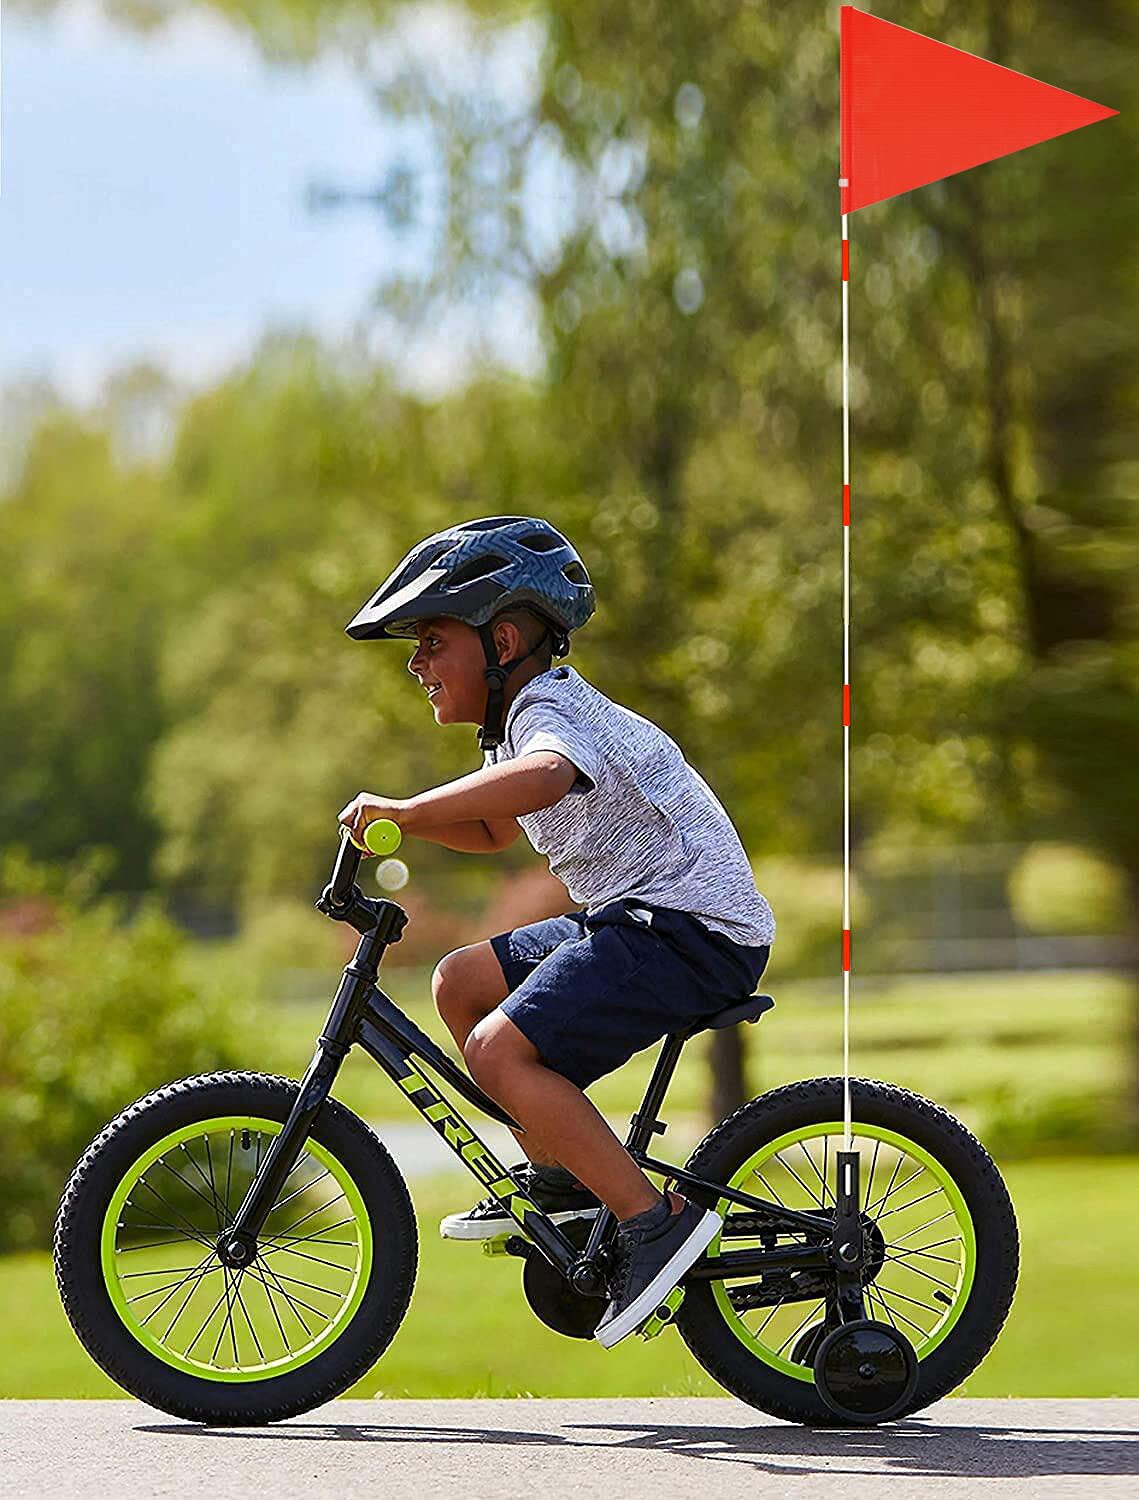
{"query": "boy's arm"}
[(493, 795), (472, 836)]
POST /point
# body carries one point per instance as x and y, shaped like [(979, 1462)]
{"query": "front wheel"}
[(140, 1278), (939, 1228)]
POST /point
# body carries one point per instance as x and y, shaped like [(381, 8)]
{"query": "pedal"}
[(664, 1314), (509, 1244)]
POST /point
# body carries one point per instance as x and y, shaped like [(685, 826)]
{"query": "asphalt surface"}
[(691, 1449)]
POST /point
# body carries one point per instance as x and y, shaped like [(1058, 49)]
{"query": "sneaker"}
[(654, 1250), (556, 1192)]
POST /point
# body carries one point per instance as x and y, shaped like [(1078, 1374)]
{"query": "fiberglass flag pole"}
[(912, 111)]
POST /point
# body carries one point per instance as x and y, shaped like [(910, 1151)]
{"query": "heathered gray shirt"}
[(638, 821)]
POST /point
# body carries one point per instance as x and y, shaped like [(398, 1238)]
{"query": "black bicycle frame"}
[(361, 1014)]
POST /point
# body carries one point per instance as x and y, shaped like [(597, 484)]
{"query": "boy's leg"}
[(561, 1123), (467, 985)]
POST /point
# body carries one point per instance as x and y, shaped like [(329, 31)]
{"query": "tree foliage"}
[(187, 692)]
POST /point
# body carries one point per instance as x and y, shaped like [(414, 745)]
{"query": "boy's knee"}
[(450, 982), (486, 1053), (463, 985)]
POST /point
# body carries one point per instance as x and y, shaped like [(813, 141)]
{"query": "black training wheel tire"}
[(726, 1358), (114, 1348)]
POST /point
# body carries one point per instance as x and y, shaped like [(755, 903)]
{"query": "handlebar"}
[(344, 871), (382, 836)]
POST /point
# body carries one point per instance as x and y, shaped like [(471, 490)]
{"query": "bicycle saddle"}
[(748, 1010)]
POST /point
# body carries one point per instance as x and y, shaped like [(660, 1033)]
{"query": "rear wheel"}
[(939, 1230), (142, 1283)]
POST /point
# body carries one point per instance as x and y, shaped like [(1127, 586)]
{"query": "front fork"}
[(238, 1243)]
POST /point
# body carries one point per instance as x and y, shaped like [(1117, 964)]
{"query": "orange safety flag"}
[(915, 110)]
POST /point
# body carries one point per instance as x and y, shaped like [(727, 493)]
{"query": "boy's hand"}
[(365, 808)]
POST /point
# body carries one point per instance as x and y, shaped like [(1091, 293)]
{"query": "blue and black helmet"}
[(474, 571)]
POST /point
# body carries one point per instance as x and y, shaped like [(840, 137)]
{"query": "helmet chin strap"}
[(490, 735)]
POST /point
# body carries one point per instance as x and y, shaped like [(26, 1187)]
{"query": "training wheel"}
[(865, 1371)]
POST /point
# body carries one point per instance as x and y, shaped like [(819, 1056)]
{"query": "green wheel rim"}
[(931, 1246), (172, 1293)]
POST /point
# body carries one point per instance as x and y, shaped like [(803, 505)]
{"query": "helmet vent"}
[(575, 573), (490, 523), (478, 567), (540, 541)]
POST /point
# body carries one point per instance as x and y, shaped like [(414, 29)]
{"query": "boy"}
[(672, 925)]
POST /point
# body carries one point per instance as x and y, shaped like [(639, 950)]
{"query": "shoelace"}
[(623, 1269)]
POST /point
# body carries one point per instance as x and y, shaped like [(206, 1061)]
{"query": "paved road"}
[(693, 1449)]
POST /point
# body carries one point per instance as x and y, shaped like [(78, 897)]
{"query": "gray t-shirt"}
[(638, 821)]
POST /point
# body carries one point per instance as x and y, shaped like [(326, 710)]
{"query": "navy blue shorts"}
[(589, 991)]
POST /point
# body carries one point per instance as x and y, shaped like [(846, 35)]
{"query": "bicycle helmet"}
[(472, 572)]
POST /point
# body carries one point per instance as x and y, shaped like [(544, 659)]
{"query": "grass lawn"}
[(1072, 1332)]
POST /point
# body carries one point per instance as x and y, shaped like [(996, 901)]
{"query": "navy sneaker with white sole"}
[(556, 1192), (654, 1250)]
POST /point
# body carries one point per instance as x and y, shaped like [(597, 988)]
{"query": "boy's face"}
[(449, 663)]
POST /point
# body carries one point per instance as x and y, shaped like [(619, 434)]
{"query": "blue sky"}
[(152, 200)]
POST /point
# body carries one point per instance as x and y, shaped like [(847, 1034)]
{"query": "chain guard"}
[(550, 1295)]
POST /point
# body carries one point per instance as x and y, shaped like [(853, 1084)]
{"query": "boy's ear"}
[(507, 640)]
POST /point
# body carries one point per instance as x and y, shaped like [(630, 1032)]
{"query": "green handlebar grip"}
[(383, 836)]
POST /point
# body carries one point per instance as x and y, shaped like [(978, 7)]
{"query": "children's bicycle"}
[(239, 1248)]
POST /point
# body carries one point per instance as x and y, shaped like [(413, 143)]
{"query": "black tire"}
[(105, 1335), (724, 1151)]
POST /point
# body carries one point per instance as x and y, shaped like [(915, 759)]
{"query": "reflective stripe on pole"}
[(846, 1121)]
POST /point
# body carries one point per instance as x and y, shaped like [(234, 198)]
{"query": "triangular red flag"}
[(915, 110)]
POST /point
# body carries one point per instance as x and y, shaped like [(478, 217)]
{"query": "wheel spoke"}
[(788, 1168), (289, 1298), (770, 1190), (303, 1255), (926, 1251), (193, 1233), (325, 1291), (890, 1184), (212, 1200), (880, 1202), (913, 1203), (197, 1278), (913, 1301), (304, 1187), (800, 1327), (205, 1325), (161, 1271), (814, 1168), (917, 1270), (162, 1162), (948, 1214), (264, 1285), (875, 1294), (223, 1211), (191, 1289), (769, 1317), (228, 1174), (227, 1321), (170, 1286), (151, 1245), (886, 1292), (248, 1319), (320, 1209), (873, 1169)]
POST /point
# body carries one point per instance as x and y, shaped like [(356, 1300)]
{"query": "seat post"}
[(644, 1124)]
